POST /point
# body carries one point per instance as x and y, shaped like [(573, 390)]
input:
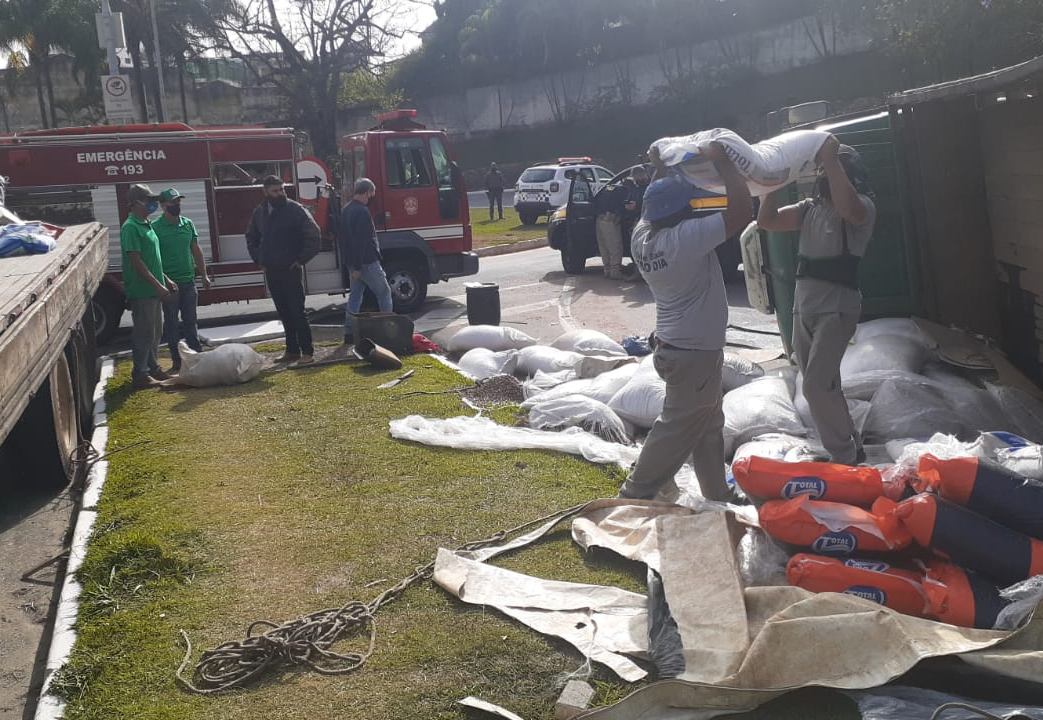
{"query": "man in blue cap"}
[(674, 252)]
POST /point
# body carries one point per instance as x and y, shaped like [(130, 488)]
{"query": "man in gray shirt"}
[(835, 228), (675, 254)]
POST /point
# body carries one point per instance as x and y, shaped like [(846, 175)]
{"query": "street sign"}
[(119, 103)]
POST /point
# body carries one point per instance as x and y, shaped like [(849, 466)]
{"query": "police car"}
[(544, 187)]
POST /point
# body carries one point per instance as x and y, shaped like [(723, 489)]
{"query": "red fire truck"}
[(75, 175)]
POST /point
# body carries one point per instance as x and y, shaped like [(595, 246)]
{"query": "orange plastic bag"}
[(961, 597), (971, 540), (898, 589), (775, 480), (1005, 498), (834, 528)]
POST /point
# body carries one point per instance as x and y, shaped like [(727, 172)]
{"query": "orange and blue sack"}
[(971, 540), (898, 589), (973, 483), (961, 597), (776, 480), (835, 529)]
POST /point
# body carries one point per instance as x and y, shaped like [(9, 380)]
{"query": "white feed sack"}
[(482, 363), (737, 371), (887, 353), (766, 165), (600, 388), (540, 358), (229, 364), (759, 408), (490, 337), (579, 411), (588, 342), (640, 400)]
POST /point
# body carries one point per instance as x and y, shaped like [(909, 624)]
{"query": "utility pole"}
[(160, 111), (110, 38)]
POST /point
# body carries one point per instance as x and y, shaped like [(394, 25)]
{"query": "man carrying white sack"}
[(835, 227), (675, 254)]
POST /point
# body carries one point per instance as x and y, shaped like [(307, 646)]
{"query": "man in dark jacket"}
[(494, 189), (360, 251), (282, 238)]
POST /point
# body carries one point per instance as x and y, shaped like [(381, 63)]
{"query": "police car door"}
[(579, 212)]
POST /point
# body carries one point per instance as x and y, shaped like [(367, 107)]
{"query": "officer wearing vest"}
[(835, 227)]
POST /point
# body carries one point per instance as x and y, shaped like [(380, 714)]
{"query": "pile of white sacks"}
[(896, 388)]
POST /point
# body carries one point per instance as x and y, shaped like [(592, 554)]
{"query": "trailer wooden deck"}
[(42, 297)]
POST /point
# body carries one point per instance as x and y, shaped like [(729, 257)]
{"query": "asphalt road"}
[(536, 296)]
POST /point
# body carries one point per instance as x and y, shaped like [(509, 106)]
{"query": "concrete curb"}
[(507, 248), (63, 637)]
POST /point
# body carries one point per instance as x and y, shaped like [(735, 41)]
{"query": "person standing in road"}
[(360, 251), (675, 254), (494, 190), (182, 260), (609, 206), (146, 286), (282, 238), (835, 228)]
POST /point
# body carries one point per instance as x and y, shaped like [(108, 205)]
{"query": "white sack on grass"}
[(893, 353), (737, 371), (481, 433), (579, 411), (545, 359), (761, 407), (767, 165), (228, 364), (588, 342), (490, 337), (600, 388), (481, 363), (542, 381), (641, 400)]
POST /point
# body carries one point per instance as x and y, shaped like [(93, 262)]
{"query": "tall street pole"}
[(110, 38), (160, 111)]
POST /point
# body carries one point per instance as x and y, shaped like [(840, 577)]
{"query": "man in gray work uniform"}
[(835, 227), (674, 252)]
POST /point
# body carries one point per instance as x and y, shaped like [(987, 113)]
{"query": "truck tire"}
[(408, 283), (82, 354), (572, 262), (39, 449), (108, 307), (528, 218)]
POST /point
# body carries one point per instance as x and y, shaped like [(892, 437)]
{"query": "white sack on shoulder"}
[(481, 363), (766, 165), (588, 342), (579, 411), (228, 364), (490, 337)]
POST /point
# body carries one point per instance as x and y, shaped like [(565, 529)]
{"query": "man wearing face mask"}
[(282, 238), (182, 259), (146, 287), (360, 252), (835, 227)]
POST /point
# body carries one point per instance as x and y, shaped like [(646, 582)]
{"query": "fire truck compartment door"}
[(194, 206)]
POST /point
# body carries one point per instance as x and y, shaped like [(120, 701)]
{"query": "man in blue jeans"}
[(360, 252), (182, 259)]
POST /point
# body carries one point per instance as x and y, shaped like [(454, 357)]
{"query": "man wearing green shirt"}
[(182, 259), (145, 285)]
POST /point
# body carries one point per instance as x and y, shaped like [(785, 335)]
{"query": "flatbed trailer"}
[(48, 360)]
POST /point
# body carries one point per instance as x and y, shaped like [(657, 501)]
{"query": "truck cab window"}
[(406, 163), (448, 193)]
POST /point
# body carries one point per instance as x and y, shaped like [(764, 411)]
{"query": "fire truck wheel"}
[(108, 309), (39, 449), (408, 285)]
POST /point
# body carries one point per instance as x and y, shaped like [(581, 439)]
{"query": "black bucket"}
[(394, 332), (483, 303)]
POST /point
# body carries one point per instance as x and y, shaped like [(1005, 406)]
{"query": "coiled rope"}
[(307, 640)]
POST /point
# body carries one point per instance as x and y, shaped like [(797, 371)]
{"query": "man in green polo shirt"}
[(145, 285), (182, 259)]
